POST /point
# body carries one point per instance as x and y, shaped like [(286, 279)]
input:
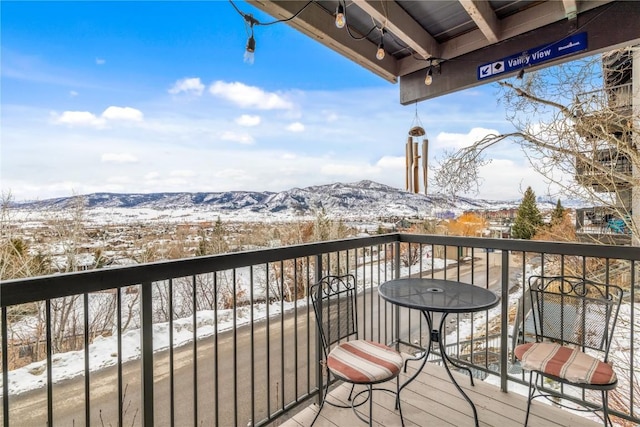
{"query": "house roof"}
[(455, 38)]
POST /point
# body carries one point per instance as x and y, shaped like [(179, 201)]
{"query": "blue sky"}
[(155, 96)]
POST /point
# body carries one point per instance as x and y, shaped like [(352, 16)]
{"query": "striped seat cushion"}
[(361, 361), (567, 363)]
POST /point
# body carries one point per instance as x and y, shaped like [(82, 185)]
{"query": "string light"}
[(380, 53), (250, 49), (250, 21), (249, 53), (340, 18), (428, 79)]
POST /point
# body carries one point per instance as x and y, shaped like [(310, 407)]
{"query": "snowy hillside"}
[(360, 200)]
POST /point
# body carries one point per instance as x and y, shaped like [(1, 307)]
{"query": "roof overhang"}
[(456, 37)]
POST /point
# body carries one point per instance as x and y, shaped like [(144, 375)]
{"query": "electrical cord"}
[(253, 21)]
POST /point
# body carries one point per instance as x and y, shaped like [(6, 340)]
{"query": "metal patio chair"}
[(574, 320), (345, 357)]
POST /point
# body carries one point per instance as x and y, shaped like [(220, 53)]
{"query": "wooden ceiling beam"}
[(395, 20), (484, 17), (570, 8), (528, 20)]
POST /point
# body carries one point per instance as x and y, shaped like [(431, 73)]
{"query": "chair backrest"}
[(574, 310), (334, 302)]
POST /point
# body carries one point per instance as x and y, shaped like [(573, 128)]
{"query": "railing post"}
[(396, 309), (319, 350), (396, 259), (5, 369), (146, 345), (504, 321)]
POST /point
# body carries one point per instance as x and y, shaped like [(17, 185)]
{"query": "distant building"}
[(617, 97)]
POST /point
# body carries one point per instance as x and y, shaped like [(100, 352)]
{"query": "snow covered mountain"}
[(364, 199)]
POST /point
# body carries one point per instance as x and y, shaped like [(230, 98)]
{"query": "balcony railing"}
[(230, 339), (605, 168), (618, 99)]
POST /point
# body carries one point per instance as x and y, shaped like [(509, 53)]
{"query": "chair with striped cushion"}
[(345, 357), (574, 320)]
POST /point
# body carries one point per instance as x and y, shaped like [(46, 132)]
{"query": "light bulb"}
[(249, 57), (428, 79), (251, 48), (340, 19), (380, 52)]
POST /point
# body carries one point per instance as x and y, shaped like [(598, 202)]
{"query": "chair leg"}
[(398, 406), (353, 386), (324, 398), (370, 405), (605, 409), (529, 398)]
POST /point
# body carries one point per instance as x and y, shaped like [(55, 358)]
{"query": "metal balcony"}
[(230, 339), (607, 170), (614, 99)]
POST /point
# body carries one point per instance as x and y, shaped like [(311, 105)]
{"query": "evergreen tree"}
[(219, 243), (322, 227), (202, 244), (528, 218), (558, 214)]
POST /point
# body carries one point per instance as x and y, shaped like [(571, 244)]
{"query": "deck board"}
[(432, 400)]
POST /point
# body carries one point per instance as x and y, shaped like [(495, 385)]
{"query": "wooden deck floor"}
[(432, 400)]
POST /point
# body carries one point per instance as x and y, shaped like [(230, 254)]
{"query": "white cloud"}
[(389, 162), (79, 118), (459, 140), (151, 176), (240, 138), (87, 118), (503, 179), (100, 61), (249, 96), (191, 85), (248, 120), (295, 127), (73, 93), (118, 158), (122, 113)]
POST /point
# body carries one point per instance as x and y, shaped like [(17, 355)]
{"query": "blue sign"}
[(540, 54)]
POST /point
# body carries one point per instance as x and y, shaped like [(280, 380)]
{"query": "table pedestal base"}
[(436, 336)]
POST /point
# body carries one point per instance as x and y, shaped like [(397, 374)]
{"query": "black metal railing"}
[(230, 339)]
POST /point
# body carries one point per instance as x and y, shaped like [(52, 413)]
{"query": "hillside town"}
[(72, 236)]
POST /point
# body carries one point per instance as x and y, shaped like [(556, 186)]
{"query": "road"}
[(29, 409)]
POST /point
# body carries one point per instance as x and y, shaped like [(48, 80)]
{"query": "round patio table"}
[(438, 296)]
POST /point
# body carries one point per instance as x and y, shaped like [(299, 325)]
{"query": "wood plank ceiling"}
[(420, 34)]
